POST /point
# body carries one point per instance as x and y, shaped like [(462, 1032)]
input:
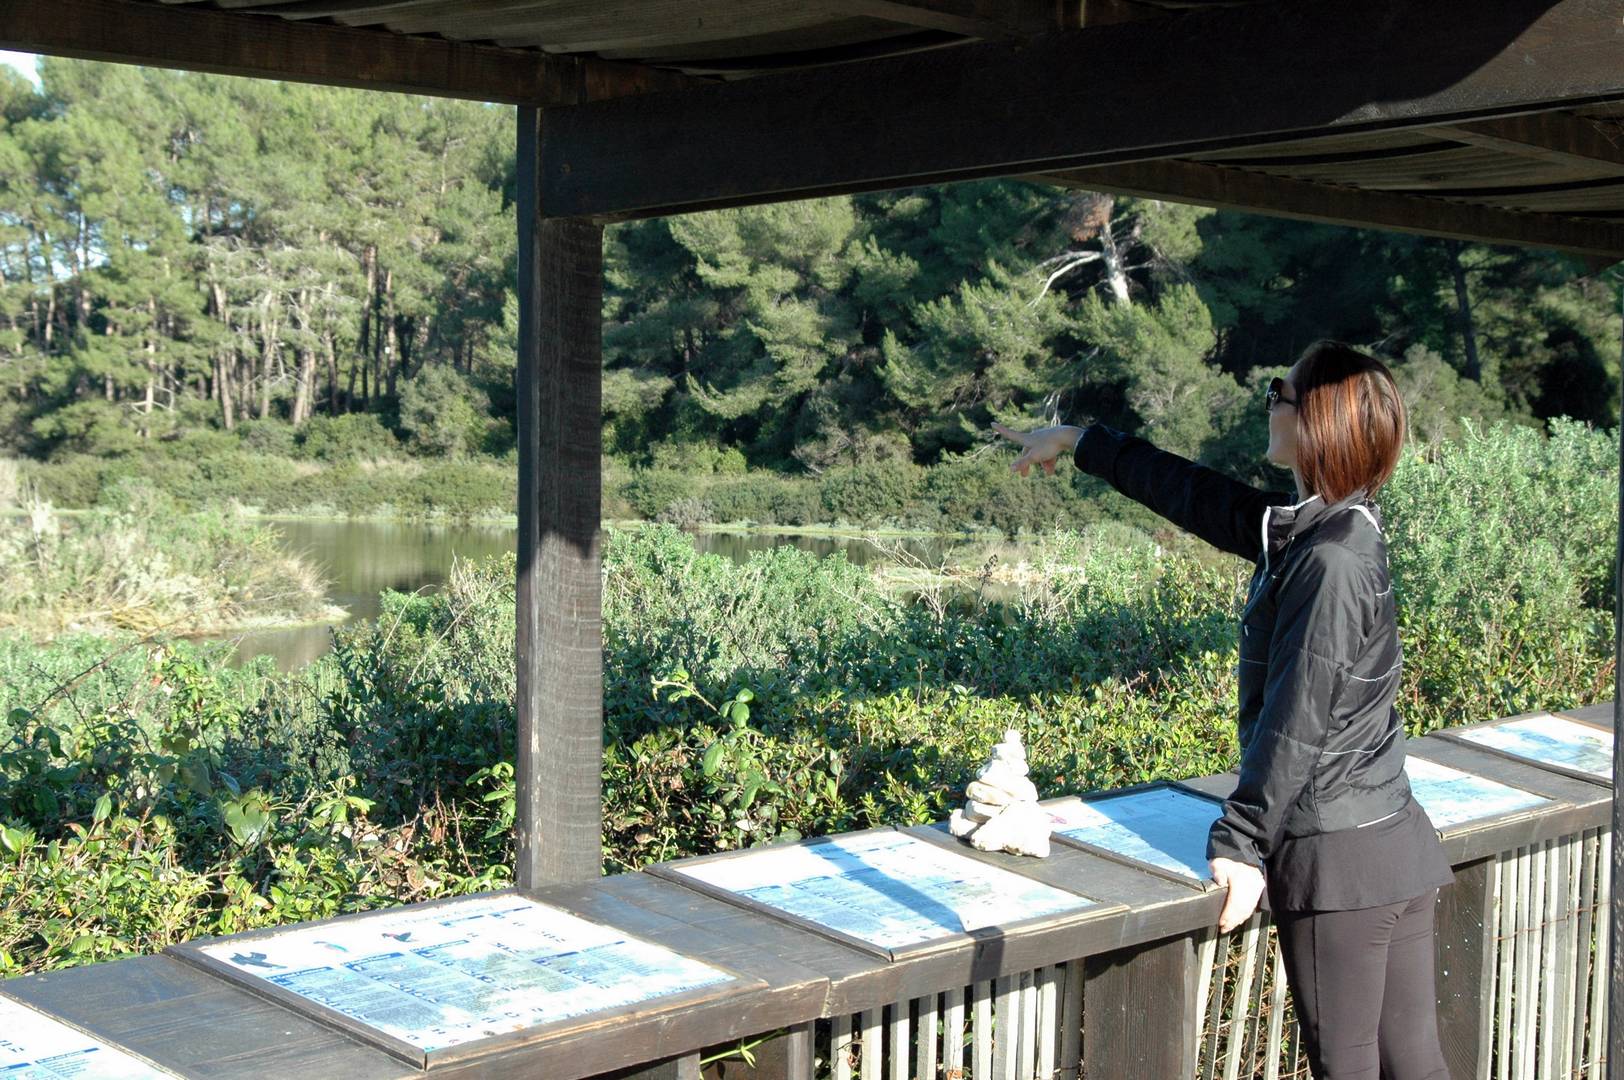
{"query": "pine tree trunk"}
[(268, 351), (1473, 368), (307, 377), (369, 260), (222, 386), (152, 368), (332, 373), (391, 348), (1115, 276)]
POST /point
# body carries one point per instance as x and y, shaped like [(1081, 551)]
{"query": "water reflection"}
[(360, 559)]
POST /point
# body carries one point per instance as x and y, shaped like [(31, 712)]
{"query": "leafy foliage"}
[(148, 794)]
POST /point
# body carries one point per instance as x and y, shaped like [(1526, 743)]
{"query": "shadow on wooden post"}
[(559, 384)]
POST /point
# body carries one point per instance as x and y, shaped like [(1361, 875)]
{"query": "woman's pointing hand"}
[(1041, 447)]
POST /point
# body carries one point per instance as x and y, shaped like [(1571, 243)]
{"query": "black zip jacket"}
[(1322, 747)]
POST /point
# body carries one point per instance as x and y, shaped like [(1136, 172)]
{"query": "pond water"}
[(360, 559)]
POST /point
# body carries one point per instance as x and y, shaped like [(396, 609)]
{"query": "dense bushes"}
[(335, 478), (137, 564), (163, 795)]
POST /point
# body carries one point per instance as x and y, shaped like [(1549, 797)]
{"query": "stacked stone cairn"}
[(1001, 812)]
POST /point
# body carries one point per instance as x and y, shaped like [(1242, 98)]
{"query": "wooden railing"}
[(1142, 986)]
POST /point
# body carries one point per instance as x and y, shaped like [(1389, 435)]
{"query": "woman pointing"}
[(1322, 819)]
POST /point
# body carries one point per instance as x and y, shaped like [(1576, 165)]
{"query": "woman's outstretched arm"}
[(1224, 512)]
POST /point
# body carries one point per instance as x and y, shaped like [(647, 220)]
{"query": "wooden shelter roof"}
[(1547, 172)]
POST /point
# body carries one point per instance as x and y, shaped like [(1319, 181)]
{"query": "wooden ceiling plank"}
[(990, 109), (196, 38), (1266, 157), (347, 12), (680, 19), (754, 56), (1461, 167), (627, 39), (1558, 137), (973, 18), (1237, 189)]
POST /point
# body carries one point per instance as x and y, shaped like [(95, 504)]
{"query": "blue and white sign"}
[(1549, 740), (1165, 827), (1451, 797), (468, 970), (34, 1046), (886, 888)]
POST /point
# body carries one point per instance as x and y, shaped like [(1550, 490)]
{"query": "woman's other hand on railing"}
[(1245, 884), (1042, 446)]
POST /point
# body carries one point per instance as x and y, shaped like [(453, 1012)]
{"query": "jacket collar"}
[(1282, 523)]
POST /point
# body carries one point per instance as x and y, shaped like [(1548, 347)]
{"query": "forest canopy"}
[(331, 270)]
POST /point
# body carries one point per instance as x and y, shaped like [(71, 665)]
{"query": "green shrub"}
[(348, 437), (765, 499), (270, 437), (869, 494), (650, 491), (437, 412)]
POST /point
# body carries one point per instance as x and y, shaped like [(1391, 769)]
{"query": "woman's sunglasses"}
[(1276, 392)]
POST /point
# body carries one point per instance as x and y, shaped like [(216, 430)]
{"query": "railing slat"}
[(1521, 983), (1215, 1006), (1071, 1022), (953, 1034), (1277, 1016), (1007, 1030), (1026, 1049), (925, 1007), (1048, 1020), (840, 1047), (1507, 944), (1567, 960), (898, 1041), (1243, 994), (1596, 1058), (1491, 932), (873, 1053), (982, 1034), (1536, 897), (1254, 1016), (1581, 976)]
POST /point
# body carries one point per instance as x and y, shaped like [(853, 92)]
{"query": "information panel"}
[(885, 888), (464, 971), (1549, 740), (1165, 827), (1451, 797), (34, 1046)]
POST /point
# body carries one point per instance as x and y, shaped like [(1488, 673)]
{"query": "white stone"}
[(1001, 812), (1021, 828)]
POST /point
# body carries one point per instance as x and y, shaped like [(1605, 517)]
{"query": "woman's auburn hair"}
[(1350, 421)]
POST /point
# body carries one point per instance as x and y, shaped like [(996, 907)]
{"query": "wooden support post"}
[(560, 622), (1139, 1012), (1465, 962)]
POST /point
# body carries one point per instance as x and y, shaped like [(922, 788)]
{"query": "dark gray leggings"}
[(1362, 982)]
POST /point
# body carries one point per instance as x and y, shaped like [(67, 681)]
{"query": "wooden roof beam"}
[(1238, 189), (267, 47), (1558, 137), (1222, 78)]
